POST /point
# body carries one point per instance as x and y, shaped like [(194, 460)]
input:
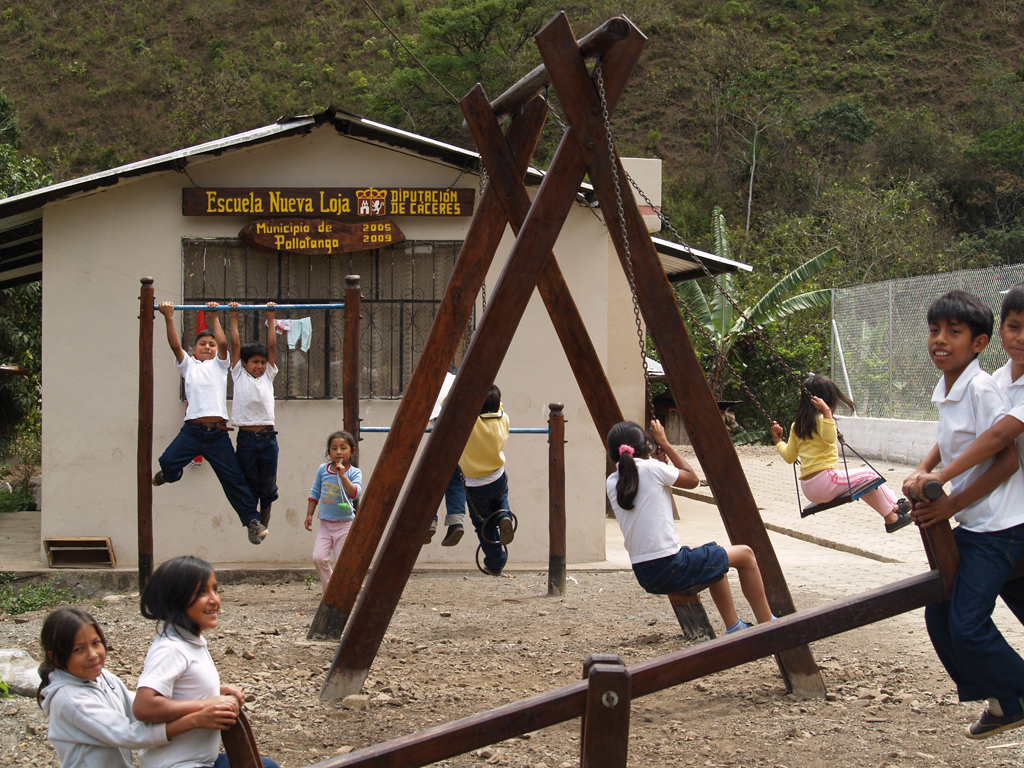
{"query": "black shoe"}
[(903, 519), (431, 532), (454, 535), (257, 532), (506, 530), (989, 724), (265, 516), (158, 478)]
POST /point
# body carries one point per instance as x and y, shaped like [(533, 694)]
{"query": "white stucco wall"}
[(97, 246), (897, 440)]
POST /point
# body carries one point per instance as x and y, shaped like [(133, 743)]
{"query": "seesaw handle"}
[(932, 489)]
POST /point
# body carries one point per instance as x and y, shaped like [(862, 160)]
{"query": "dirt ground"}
[(462, 643)]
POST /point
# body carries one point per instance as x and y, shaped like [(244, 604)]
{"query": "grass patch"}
[(31, 597)]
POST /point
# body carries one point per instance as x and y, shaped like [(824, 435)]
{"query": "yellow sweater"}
[(483, 453), (816, 453)]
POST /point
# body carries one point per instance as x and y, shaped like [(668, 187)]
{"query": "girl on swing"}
[(813, 439), (640, 494)]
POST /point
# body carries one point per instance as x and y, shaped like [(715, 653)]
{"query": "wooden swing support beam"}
[(531, 264)]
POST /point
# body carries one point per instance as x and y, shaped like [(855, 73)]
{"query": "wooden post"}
[(384, 486), (350, 364), (711, 441), (692, 617), (556, 500), (943, 555), (604, 727), (144, 467)]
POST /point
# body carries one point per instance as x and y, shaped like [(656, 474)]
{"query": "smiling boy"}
[(205, 431), (252, 411), (990, 534)]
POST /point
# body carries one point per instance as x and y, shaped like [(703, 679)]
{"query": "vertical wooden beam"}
[(350, 364), (384, 486), (377, 603), (604, 727), (144, 467), (556, 500), (711, 441), (693, 619), (943, 554)]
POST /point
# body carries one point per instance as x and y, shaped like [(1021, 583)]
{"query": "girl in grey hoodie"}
[(90, 709)]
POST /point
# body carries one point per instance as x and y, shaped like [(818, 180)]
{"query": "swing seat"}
[(850, 494)]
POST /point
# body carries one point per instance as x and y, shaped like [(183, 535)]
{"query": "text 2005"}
[(377, 233)]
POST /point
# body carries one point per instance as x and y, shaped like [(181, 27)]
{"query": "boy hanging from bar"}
[(252, 410), (205, 431)]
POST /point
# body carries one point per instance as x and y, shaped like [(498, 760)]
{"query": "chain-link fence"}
[(880, 334)]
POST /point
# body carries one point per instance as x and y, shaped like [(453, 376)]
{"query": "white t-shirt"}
[(648, 528), (179, 666), (1014, 391), (206, 386), (973, 405), (252, 404)]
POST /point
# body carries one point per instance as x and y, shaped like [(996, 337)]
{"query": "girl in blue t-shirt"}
[(336, 489)]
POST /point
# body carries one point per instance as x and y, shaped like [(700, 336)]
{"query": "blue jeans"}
[(222, 762), (485, 502), (257, 454), (970, 647), (214, 445), (455, 500)]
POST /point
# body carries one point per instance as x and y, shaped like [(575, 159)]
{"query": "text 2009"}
[(377, 232)]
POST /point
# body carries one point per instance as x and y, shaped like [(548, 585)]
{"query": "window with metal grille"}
[(401, 284)]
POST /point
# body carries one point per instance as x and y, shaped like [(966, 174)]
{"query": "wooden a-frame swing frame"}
[(583, 151)]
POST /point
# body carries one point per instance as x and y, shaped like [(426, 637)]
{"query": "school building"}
[(250, 218)]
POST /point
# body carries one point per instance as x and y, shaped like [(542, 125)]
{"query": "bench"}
[(850, 494)]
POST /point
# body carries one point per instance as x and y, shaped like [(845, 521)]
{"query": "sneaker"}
[(740, 624), (453, 537), (197, 461), (430, 532), (903, 517), (989, 724), (158, 478), (265, 516), (257, 532), (506, 531)]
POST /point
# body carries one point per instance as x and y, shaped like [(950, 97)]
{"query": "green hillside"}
[(892, 128)]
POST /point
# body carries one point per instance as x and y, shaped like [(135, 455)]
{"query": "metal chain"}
[(754, 329), (462, 172), (188, 175), (625, 238), (483, 188)]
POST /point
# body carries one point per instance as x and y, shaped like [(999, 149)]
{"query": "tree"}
[(21, 332), (717, 316)]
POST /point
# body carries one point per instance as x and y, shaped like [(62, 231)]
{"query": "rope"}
[(397, 38)]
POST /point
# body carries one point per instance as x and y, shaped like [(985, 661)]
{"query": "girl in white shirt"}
[(641, 497), (179, 675)]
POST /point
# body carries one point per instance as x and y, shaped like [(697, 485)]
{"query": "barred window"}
[(401, 284)]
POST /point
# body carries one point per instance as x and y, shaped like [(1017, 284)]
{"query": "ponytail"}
[(627, 443)]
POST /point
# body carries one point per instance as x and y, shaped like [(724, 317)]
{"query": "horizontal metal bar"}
[(514, 430), (252, 307)]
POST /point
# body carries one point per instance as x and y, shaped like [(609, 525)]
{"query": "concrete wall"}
[(98, 245), (897, 440)]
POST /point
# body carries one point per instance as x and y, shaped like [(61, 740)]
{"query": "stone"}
[(19, 671), (357, 701)]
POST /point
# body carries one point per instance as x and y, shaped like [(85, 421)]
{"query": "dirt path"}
[(464, 643)]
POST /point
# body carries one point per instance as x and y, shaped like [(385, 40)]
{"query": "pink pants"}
[(829, 483), (330, 538)]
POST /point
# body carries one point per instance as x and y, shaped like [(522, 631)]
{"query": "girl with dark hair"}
[(813, 439), (90, 709), (179, 676), (641, 497), (336, 490)]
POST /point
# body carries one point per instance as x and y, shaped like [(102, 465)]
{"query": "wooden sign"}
[(366, 202), (320, 237)]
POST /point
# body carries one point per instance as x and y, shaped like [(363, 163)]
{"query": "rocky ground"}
[(463, 643)]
